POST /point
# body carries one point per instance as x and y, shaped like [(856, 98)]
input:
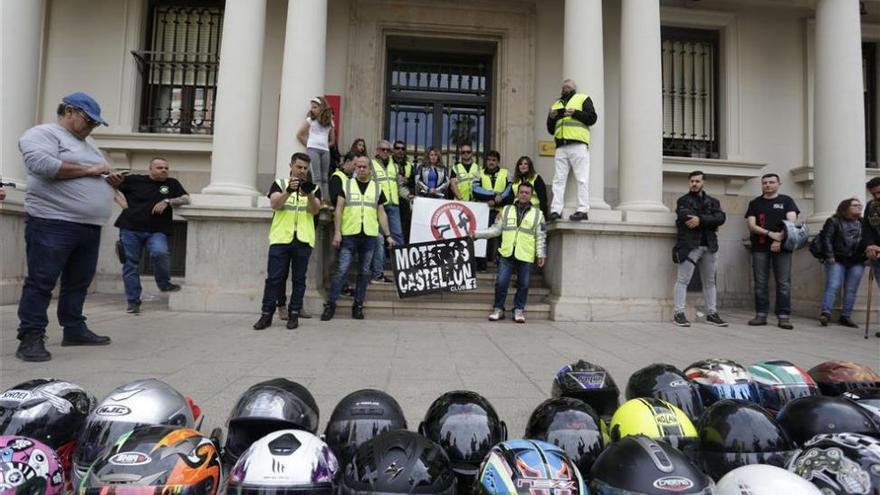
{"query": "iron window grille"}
[(179, 69), (690, 60), (869, 85)]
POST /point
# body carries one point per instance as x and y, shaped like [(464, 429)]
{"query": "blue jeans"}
[(157, 246), (781, 263), (280, 258), (396, 228), (506, 267), (54, 249), (846, 275), (351, 244)]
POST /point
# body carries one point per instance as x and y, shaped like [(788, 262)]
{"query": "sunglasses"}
[(466, 152), (90, 121), (384, 149), (399, 148)]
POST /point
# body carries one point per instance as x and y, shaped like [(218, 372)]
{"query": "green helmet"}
[(780, 382)]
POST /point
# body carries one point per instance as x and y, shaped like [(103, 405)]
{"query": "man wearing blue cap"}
[(70, 189)]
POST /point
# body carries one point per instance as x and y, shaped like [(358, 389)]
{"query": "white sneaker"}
[(496, 314), (519, 316)]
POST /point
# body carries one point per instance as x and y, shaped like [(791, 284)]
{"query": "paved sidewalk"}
[(215, 357)]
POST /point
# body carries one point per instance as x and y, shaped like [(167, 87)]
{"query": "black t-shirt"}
[(275, 188), (363, 187), (769, 214), (142, 193), (335, 186)]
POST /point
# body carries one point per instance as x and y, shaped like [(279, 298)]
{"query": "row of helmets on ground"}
[(750, 430)]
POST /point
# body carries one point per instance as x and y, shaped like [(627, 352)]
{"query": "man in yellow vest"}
[(385, 174), (523, 244), (464, 173), (568, 121), (359, 214), (296, 201), (492, 186)]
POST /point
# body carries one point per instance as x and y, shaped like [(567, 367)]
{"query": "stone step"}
[(418, 308), (484, 293)]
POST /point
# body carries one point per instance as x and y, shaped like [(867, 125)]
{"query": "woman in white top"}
[(317, 135)]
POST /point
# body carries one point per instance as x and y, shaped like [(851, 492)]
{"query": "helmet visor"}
[(27, 422), (99, 436), (344, 437), (774, 397)]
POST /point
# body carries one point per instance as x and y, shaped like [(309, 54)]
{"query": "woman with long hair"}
[(524, 171), (358, 147), (317, 134), (844, 259), (432, 178)]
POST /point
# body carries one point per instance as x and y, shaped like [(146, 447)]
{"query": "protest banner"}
[(436, 266), (436, 219)]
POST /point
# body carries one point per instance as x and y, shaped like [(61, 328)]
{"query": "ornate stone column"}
[(641, 110), (302, 73), (239, 83), (839, 142)]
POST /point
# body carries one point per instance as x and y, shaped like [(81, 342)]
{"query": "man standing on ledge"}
[(765, 215), (296, 201), (569, 120), (146, 220), (359, 214), (69, 197)]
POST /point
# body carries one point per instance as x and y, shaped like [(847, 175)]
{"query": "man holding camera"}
[(296, 201)]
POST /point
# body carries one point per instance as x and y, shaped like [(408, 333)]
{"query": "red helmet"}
[(836, 377)]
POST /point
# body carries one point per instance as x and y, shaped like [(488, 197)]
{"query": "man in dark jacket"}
[(699, 216), (871, 222)]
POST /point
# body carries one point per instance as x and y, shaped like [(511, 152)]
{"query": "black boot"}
[(292, 320), (329, 311), (32, 348), (357, 312), (264, 322)]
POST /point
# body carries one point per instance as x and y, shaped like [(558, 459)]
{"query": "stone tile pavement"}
[(215, 357)]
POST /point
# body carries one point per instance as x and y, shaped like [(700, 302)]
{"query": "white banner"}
[(436, 219)]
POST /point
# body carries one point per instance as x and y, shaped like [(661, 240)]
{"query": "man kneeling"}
[(523, 239)]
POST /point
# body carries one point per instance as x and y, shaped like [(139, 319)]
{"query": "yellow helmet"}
[(653, 418)]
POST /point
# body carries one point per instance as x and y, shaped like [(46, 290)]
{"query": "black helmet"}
[(570, 424), (358, 417), (808, 416), (638, 465), (735, 433), (590, 383), (277, 404), (868, 398), (842, 463), (398, 461), (666, 382), (466, 425)]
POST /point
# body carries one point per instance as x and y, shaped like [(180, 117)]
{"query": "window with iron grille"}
[(179, 68), (869, 85), (690, 92)]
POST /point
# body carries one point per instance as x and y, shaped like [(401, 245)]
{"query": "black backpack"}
[(816, 245)]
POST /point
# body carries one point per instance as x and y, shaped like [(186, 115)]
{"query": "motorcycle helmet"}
[(656, 419), (808, 416), (837, 377), (842, 463), (571, 425), (666, 382), (526, 467), (272, 405), (721, 379), (141, 402), (780, 382), (638, 465), (868, 398), (156, 459), (48, 410), (358, 417), (29, 466), (590, 383), (398, 461), (761, 479), (796, 235), (466, 426), (284, 461), (736, 433)]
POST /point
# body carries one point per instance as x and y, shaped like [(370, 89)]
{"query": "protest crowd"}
[(713, 427)]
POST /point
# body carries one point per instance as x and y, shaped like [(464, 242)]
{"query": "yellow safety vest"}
[(293, 219), (386, 177), (361, 211), (569, 128), (499, 186), (520, 240), (535, 201), (407, 170), (464, 179)]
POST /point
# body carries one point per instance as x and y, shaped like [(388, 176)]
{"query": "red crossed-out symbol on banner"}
[(452, 220)]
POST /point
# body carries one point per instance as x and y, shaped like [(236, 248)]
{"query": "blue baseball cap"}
[(85, 103)]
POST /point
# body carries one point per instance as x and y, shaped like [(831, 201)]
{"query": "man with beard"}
[(699, 216), (464, 173)]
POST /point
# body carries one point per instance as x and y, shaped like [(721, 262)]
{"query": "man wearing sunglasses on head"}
[(70, 191)]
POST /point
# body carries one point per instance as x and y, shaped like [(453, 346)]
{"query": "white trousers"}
[(577, 158)]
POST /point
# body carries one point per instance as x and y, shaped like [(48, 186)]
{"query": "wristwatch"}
[(167, 201)]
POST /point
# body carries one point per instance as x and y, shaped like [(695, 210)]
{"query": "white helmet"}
[(284, 461), (763, 479)]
